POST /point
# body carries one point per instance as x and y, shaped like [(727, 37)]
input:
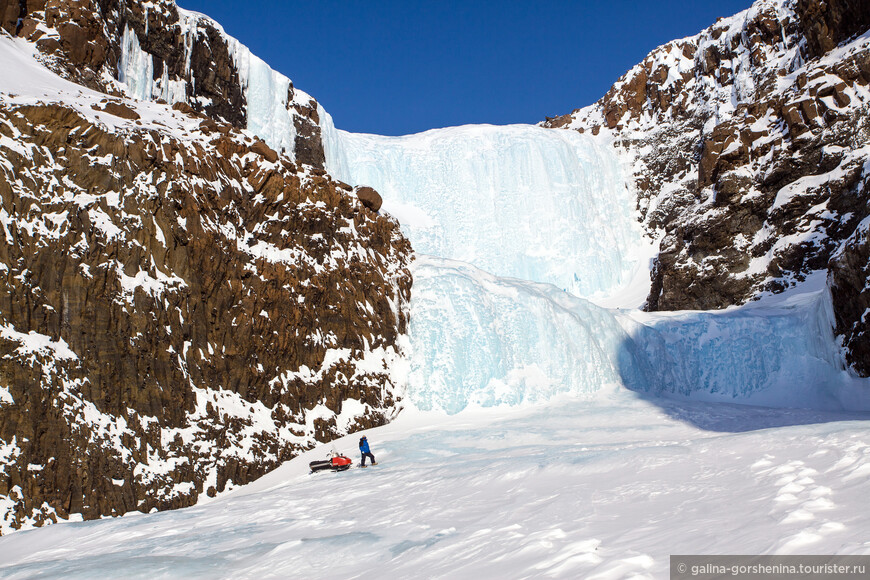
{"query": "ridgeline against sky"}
[(394, 68)]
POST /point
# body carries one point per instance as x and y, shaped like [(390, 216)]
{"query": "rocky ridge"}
[(750, 149), (182, 307)]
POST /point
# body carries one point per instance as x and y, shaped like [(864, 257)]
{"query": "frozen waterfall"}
[(527, 223), (485, 340), (517, 200)]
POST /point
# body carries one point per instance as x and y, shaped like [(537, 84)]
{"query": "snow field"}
[(568, 489)]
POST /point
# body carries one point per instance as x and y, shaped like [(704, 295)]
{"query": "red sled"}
[(336, 463)]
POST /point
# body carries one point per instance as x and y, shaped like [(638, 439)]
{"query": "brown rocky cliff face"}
[(827, 24), (85, 43), (750, 142), (180, 308), (849, 280)]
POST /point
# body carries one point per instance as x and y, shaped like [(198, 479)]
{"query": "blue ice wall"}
[(485, 340), (780, 353), (518, 200), (478, 339)]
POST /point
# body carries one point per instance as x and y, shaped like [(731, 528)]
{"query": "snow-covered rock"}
[(182, 307), (154, 50), (750, 143), (849, 280)]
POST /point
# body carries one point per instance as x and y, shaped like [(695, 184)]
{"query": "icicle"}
[(135, 67)]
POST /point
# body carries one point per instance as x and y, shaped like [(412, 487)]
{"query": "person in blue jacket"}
[(366, 452)]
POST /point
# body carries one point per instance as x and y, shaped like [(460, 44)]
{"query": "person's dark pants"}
[(370, 456)]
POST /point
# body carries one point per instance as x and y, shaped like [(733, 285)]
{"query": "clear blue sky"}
[(395, 67)]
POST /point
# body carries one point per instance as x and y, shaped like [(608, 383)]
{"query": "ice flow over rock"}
[(516, 200), (526, 222)]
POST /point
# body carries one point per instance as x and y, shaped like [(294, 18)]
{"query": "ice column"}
[(135, 67), (266, 93)]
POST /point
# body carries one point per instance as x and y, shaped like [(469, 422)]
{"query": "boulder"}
[(118, 109), (369, 197), (260, 148)]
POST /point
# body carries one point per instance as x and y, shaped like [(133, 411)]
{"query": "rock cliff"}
[(155, 50), (750, 149), (182, 307)]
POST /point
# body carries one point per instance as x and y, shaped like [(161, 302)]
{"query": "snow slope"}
[(604, 489)]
